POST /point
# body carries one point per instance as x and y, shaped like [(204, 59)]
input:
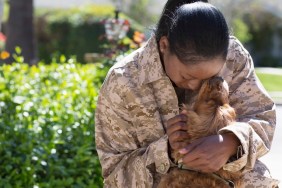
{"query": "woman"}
[(138, 122)]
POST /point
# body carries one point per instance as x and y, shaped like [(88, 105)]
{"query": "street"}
[(274, 157)]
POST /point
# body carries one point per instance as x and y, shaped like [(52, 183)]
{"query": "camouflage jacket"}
[(136, 100)]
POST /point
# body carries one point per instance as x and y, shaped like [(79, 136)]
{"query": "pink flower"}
[(2, 37)]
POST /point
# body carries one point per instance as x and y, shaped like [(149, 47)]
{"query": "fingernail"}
[(182, 151), (183, 111)]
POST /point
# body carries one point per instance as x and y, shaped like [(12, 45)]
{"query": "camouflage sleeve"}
[(124, 163), (256, 116)]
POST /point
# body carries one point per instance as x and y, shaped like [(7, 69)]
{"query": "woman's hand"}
[(210, 153), (176, 130)]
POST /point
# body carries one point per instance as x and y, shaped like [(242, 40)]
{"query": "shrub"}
[(266, 32), (74, 31), (47, 125)]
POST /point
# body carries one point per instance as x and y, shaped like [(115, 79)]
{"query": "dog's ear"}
[(225, 115)]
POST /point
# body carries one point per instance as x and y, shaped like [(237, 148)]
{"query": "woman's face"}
[(188, 76)]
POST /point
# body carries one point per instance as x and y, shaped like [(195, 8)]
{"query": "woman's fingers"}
[(177, 140), (206, 154), (179, 126), (176, 119), (177, 131)]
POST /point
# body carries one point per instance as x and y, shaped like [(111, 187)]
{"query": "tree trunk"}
[(1, 13), (20, 30)]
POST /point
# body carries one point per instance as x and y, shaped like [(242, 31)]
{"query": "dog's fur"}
[(210, 112)]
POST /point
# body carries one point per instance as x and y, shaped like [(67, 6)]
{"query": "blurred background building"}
[(73, 27), (256, 23)]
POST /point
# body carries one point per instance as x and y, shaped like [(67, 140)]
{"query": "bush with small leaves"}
[(47, 124)]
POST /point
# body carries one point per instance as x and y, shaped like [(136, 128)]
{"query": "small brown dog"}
[(210, 112)]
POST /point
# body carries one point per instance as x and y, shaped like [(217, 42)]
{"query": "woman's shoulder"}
[(141, 66), (238, 64), (126, 62), (238, 57), (236, 49), (124, 72)]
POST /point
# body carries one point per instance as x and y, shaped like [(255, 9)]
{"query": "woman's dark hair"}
[(194, 29), (166, 17)]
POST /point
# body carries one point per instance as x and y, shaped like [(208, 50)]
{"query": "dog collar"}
[(226, 181)]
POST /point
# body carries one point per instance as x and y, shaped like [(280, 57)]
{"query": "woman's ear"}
[(164, 44)]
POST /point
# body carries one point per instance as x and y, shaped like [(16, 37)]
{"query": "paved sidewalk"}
[(276, 96), (269, 70), (274, 158)]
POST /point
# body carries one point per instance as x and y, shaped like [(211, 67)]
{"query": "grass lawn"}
[(270, 78), (271, 82)]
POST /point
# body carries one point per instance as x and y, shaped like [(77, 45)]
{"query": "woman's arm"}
[(124, 162), (255, 110)]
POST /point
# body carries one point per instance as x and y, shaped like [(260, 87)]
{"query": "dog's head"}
[(214, 89)]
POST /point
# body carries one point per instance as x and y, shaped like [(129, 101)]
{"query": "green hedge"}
[(74, 31), (47, 125)]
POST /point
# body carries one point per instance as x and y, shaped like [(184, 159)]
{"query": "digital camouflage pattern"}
[(136, 100)]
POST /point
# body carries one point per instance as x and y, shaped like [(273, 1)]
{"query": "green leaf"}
[(19, 99), (18, 50), (63, 59)]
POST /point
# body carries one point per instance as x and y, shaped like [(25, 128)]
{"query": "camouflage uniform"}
[(136, 100)]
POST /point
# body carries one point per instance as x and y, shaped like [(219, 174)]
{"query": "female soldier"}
[(138, 122)]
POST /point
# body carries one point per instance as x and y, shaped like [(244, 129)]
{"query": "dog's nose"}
[(216, 80)]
